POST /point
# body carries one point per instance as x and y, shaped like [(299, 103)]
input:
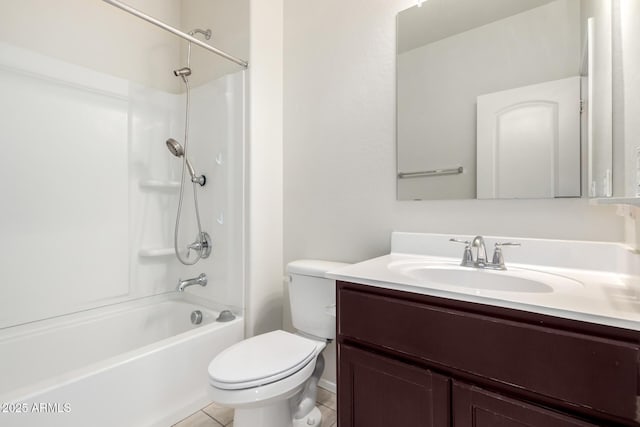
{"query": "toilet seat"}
[(264, 395), (262, 359)]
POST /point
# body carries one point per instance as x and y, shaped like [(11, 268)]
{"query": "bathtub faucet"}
[(200, 280)]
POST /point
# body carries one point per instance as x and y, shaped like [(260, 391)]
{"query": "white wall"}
[(264, 250), (437, 20), (105, 39), (339, 148), (229, 24)]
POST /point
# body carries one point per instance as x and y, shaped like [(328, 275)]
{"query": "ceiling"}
[(439, 19)]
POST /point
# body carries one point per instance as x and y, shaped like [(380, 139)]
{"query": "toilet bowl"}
[(271, 379)]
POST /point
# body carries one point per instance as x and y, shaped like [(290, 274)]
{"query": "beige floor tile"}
[(221, 414), (326, 398), (199, 419), (224, 416), (329, 416)]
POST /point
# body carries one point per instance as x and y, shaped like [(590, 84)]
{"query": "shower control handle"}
[(202, 245)]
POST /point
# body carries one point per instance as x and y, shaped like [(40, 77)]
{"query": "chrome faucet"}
[(481, 252), (481, 260), (201, 280)]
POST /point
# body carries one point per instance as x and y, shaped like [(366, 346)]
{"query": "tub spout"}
[(201, 280)]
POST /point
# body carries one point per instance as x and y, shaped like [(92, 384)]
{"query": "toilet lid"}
[(261, 360)]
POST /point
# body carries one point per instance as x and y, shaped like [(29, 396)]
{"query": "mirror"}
[(626, 176), (504, 99)]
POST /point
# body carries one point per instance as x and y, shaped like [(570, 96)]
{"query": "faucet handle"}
[(195, 246), (466, 242), (498, 258), (499, 244), (467, 256)]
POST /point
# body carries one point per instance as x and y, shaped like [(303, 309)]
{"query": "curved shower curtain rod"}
[(175, 31)]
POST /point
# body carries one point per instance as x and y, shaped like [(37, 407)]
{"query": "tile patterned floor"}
[(215, 415)]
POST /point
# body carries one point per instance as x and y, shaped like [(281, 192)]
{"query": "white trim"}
[(328, 385)]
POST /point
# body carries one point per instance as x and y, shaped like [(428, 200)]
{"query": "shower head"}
[(182, 72), (178, 150), (175, 147)]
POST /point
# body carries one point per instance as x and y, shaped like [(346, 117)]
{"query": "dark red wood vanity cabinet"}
[(411, 360)]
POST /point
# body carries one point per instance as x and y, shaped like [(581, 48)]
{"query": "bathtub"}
[(141, 363)]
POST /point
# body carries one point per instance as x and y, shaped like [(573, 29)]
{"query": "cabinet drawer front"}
[(595, 373)]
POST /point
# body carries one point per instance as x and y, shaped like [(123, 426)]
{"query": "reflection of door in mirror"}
[(450, 52), (529, 141)]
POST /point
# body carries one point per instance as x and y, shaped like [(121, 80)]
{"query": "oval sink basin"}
[(513, 280)]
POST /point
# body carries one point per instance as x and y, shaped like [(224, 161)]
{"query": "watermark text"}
[(35, 408)]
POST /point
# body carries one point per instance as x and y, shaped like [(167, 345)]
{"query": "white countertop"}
[(602, 297)]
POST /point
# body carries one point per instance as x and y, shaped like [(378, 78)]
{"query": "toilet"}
[(271, 379)]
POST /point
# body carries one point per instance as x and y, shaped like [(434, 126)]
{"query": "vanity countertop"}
[(604, 297)]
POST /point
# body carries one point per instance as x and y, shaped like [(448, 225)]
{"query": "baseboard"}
[(183, 412), (328, 385)]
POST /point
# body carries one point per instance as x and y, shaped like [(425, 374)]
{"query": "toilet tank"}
[(312, 297)]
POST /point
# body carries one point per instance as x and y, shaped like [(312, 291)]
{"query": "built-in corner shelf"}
[(604, 201), (156, 252), (158, 185)]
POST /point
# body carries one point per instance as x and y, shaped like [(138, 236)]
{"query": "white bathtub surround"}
[(140, 363), (97, 165), (67, 186), (90, 197), (597, 282), (99, 189)]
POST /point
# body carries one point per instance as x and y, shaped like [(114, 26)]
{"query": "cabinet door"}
[(475, 407), (375, 391)]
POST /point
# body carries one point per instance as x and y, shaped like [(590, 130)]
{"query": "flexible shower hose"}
[(195, 192)]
